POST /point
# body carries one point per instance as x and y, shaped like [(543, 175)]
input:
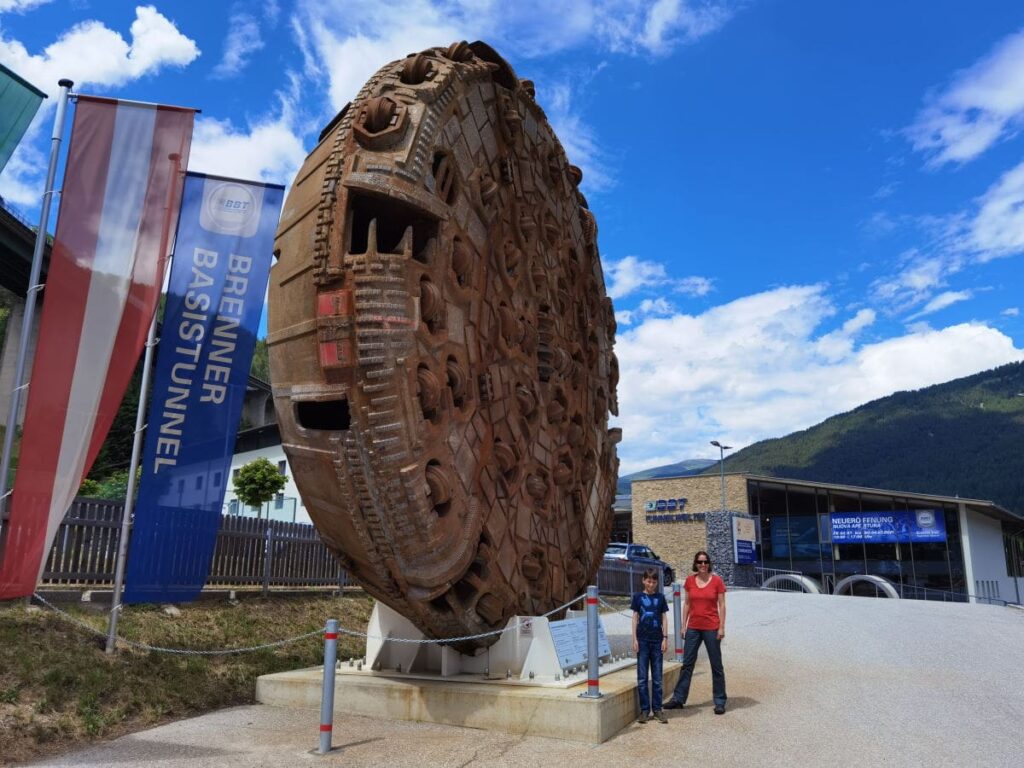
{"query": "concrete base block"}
[(488, 704)]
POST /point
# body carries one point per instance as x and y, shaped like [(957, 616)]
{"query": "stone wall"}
[(677, 541), (720, 547)]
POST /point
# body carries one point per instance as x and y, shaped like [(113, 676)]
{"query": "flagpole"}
[(129, 498), (33, 290), (140, 415)]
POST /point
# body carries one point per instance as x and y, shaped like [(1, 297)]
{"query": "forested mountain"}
[(964, 437), (685, 467)]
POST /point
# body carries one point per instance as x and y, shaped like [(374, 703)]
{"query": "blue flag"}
[(214, 301)]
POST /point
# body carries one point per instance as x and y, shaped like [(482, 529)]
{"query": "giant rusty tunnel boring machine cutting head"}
[(441, 347)]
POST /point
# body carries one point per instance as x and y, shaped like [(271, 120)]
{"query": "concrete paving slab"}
[(813, 681)]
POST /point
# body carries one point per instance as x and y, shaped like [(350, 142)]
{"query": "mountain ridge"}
[(962, 437)]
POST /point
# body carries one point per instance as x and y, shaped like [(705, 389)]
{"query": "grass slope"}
[(58, 689), (963, 438)]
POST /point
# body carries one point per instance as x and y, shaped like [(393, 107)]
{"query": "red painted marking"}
[(326, 728), (330, 635), (675, 594), (334, 304), (678, 651), (592, 683), (328, 354), (591, 601)]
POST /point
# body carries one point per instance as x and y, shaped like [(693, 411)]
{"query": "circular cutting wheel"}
[(441, 347)]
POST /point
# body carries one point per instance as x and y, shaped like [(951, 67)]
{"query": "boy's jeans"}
[(649, 655)]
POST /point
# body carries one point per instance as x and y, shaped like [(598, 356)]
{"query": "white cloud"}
[(20, 6), (91, 53), (940, 302), (269, 150), (352, 40), (355, 37), (982, 105), (886, 190), (998, 227), (242, 41), (580, 142), (759, 367), (21, 182), (642, 26), (919, 275), (694, 286), (1011, 312), (631, 274)]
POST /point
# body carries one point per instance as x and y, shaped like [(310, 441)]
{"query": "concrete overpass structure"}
[(17, 239)]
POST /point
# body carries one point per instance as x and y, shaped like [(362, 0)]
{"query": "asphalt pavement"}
[(813, 680)]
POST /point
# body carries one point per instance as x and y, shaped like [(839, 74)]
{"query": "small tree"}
[(257, 482)]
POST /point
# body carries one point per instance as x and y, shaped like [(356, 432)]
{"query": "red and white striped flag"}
[(120, 201)]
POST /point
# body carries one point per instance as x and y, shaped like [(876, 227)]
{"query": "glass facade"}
[(795, 533)]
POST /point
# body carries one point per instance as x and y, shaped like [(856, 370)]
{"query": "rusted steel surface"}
[(441, 347)]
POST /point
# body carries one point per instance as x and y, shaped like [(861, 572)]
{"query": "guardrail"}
[(268, 553), (623, 577)]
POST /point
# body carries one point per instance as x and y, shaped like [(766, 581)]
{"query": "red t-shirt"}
[(703, 602)]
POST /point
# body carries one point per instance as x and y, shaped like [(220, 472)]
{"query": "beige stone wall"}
[(677, 542)]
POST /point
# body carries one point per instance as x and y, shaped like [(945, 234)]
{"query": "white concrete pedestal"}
[(509, 706)]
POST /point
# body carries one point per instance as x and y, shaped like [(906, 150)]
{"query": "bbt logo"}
[(230, 208)]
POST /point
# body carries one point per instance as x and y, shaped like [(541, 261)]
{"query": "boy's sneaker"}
[(643, 718), (719, 710), (660, 716)]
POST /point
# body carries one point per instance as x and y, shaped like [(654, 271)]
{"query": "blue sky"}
[(802, 206)]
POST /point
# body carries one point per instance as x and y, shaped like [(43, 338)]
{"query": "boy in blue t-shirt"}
[(650, 639)]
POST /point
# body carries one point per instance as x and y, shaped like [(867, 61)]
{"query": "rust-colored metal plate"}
[(441, 347)]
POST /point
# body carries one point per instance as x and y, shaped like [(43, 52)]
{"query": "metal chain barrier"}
[(179, 651), (427, 641), (612, 609), (277, 643)]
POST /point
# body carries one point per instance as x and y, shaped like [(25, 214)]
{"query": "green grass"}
[(58, 689)]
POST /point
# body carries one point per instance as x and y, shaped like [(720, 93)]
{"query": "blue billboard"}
[(888, 527)]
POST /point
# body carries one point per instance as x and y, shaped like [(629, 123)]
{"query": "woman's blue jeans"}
[(649, 655), (691, 644)]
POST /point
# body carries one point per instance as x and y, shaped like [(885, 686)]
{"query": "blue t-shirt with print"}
[(650, 608)]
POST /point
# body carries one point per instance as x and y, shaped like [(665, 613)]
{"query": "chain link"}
[(178, 651), (428, 641), (277, 643)]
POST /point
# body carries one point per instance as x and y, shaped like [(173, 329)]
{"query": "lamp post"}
[(721, 463)]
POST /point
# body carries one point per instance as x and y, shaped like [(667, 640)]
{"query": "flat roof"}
[(984, 506)]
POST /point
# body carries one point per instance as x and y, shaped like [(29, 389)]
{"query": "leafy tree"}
[(114, 486), (258, 482), (260, 367)]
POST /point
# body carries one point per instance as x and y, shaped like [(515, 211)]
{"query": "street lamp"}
[(721, 463)]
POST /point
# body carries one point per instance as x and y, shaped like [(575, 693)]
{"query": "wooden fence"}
[(267, 553)]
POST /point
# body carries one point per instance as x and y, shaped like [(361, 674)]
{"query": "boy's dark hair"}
[(651, 573)]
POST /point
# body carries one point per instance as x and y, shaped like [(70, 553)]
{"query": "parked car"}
[(641, 555)]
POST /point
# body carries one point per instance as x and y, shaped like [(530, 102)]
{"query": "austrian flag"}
[(120, 201)]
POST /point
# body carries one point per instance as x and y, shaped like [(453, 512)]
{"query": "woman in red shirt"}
[(703, 622)]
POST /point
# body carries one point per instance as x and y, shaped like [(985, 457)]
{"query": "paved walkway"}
[(813, 681)]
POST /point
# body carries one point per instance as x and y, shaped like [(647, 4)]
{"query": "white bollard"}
[(327, 695), (593, 674), (677, 619)]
